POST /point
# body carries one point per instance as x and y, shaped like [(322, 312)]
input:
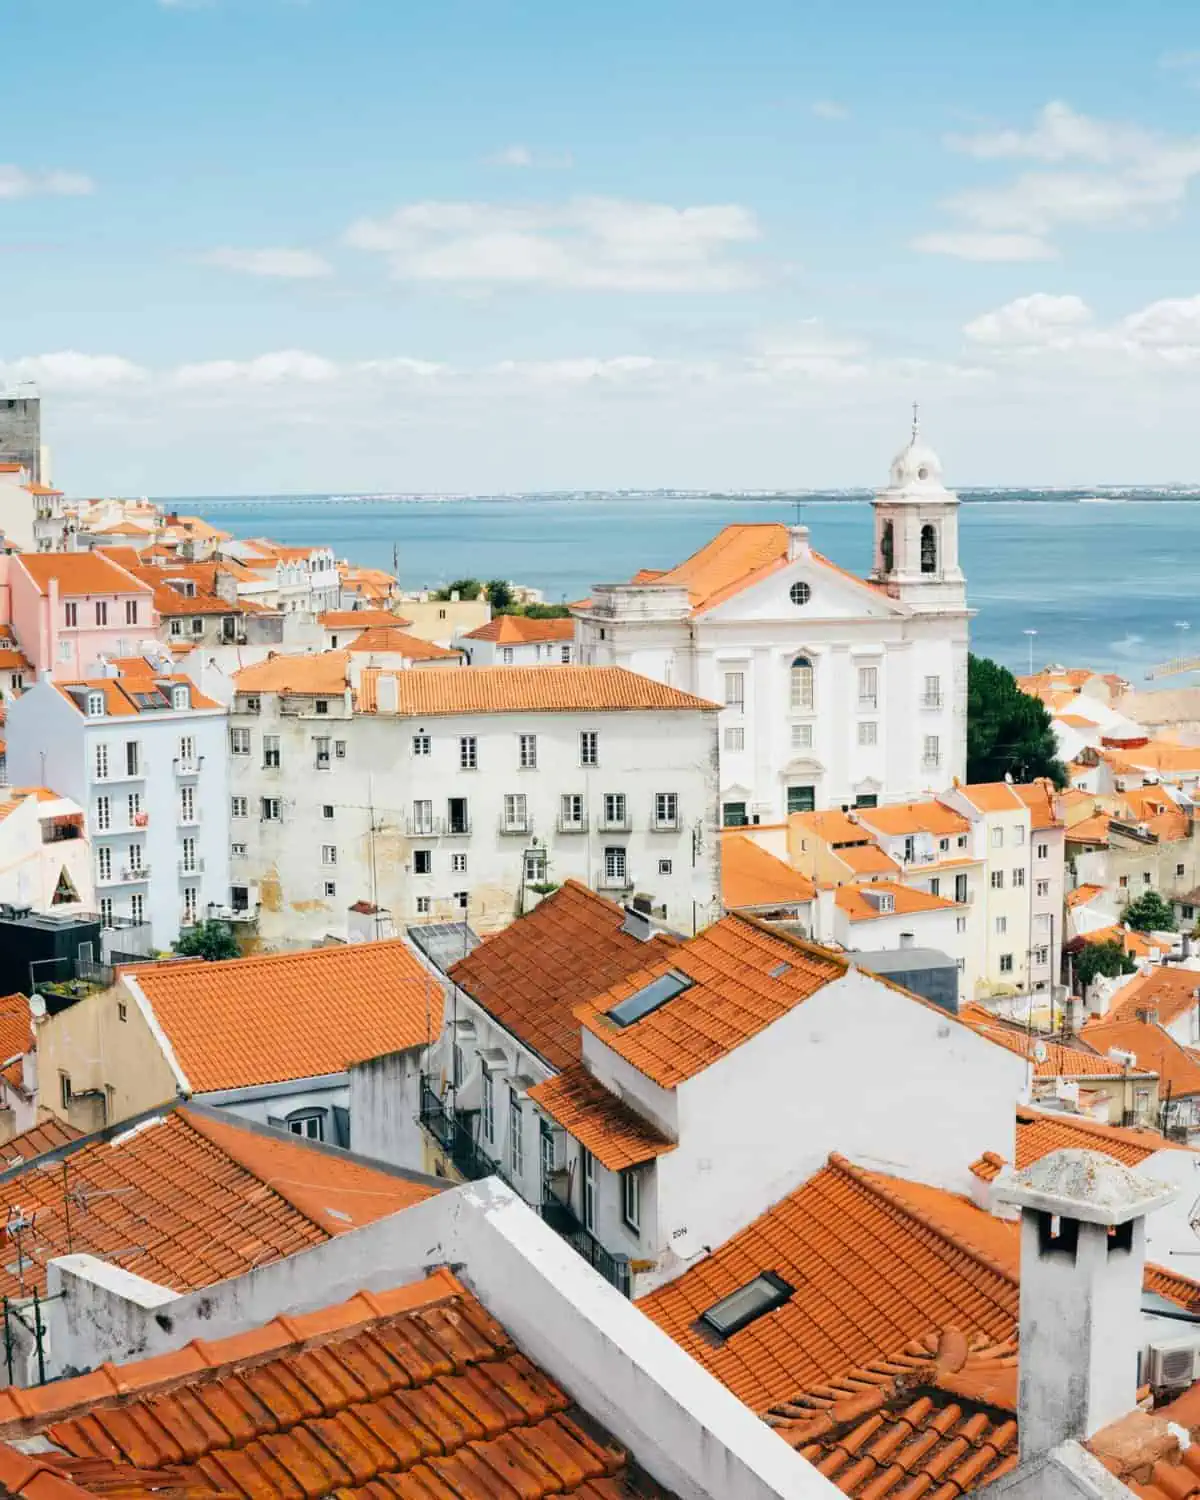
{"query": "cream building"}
[(836, 690)]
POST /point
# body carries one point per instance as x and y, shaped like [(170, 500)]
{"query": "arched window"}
[(887, 547), (802, 683), (928, 549)]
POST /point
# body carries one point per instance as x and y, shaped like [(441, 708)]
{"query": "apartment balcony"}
[(191, 866), (560, 1217), (455, 1137), (608, 882), (437, 828), (666, 825), (572, 825), (519, 827), (622, 824), (124, 875), (123, 774), (187, 770)]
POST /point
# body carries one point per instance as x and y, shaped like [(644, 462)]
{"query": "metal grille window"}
[(932, 696), (933, 750)]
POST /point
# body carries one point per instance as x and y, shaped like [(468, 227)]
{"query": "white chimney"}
[(798, 543), (824, 914), (1083, 1253), (906, 939), (387, 693)]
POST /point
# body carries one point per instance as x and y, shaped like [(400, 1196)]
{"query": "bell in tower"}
[(916, 531)]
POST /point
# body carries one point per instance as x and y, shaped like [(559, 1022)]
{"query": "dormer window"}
[(179, 697), (95, 705)]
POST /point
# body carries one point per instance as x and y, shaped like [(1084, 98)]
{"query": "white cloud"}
[(300, 265), (607, 244), (829, 109), (16, 182), (70, 371), (511, 156), (1163, 336), (969, 244), (1097, 173), (285, 367), (1040, 319)]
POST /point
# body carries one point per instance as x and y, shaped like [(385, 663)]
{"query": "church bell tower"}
[(916, 532)]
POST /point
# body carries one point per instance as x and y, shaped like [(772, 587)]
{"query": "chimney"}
[(906, 939), (824, 914), (1148, 1014), (1083, 1253), (798, 543)]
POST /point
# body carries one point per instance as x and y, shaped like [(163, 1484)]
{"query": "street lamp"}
[(1031, 634)]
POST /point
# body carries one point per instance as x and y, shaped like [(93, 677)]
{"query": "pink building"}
[(69, 609)]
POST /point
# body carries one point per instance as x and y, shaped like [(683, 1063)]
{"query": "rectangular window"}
[(103, 813), (528, 751), (271, 753), (666, 810), (424, 904), (187, 750), (932, 755), (187, 804), (321, 746), (1019, 877), (1018, 834), (239, 742), (589, 1191), (631, 1199), (327, 810), (1178, 870), (515, 815), (733, 815), (72, 615), (1001, 926), (866, 799), (463, 900), (910, 848), (1123, 882), (422, 861), (137, 907), (997, 880), (421, 744), (997, 838), (735, 689), (101, 612), (960, 924), (932, 696), (489, 1105), (176, 627), (565, 655), (322, 705), (239, 807), (1043, 888), (458, 864), (935, 886), (506, 656), (187, 864), (339, 749), (237, 851), (1145, 877), (106, 911), (801, 798), (1041, 955), (190, 898), (131, 612), (135, 810), (458, 819), (535, 867), (614, 867), (133, 758), (589, 747), (664, 867), (614, 809), (802, 736), (329, 854), (104, 862), (735, 739), (1006, 963), (868, 732), (868, 687), (270, 810), (468, 753), (422, 817), (197, 627), (64, 654), (1043, 851)]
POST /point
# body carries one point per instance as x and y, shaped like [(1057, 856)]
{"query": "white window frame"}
[(631, 1199), (527, 752), (735, 690)]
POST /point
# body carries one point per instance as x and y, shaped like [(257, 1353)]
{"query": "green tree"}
[(211, 940), (1008, 732), (465, 588), (546, 611), (500, 595), (1149, 913), (1108, 959)]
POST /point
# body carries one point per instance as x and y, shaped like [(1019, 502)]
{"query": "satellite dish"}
[(37, 1007), (1040, 1052)]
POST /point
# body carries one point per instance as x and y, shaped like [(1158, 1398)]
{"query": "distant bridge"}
[(1174, 667)]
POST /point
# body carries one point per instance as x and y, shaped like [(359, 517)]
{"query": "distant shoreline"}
[(969, 496)]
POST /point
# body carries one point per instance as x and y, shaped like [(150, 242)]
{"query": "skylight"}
[(650, 997), (762, 1295), (780, 970)]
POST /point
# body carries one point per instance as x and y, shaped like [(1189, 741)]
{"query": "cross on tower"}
[(916, 421)]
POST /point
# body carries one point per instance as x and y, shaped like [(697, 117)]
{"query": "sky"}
[(273, 246)]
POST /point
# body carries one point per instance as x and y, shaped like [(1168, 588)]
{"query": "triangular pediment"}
[(824, 591)]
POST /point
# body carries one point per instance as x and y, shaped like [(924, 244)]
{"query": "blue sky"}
[(273, 245)]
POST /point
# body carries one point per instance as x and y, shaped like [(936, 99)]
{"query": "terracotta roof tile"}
[(735, 555), (360, 619), (501, 690), (742, 976), (532, 975), (1156, 1050), (13, 660), (80, 573), (1093, 830), (515, 630), (1060, 1061), (937, 1418), (750, 876), (867, 859), (119, 700), (320, 672), (832, 826), (1038, 797), (988, 1167), (413, 1392), (914, 817), (856, 901), (616, 1135), (16, 1027), (391, 639), (46, 1136), (290, 1015), (187, 1201), (1039, 1133), (992, 796), (1169, 991), (1083, 894)]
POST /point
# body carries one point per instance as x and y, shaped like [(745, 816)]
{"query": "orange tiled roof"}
[(1060, 1061), (1169, 991), (743, 976), (992, 796), (616, 1135), (38, 1139), (118, 692), (914, 817), (732, 559), (855, 901), (1156, 1050), (867, 859), (507, 690), (516, 630), (80, 573), (1076, 721), (1040, 1132), (936, 1419), (359, 619), (321, 672), (16, 1027), (988, 1166), (1093, 830), (412, 1392), (532, 975), (1038, 797), (1161, 755), (832, 826), (750, 876), (290, 1015), (389, 638), (187, 1200), (1135, 943), (13, 660), (1083, 894)]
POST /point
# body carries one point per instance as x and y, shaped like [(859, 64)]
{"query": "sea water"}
[(1110, 586)]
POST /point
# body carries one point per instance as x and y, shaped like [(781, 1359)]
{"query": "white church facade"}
[(836, 690)]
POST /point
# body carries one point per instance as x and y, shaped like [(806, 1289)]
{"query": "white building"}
[(45, 855), (836, 690), (146, 757), (462, 795), (518, 641)]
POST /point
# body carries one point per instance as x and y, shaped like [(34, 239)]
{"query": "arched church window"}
[(928, 549), (802, 683), (887, 547)]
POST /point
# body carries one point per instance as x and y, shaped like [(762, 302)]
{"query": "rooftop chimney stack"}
[(798, 543), (1083, 1252)]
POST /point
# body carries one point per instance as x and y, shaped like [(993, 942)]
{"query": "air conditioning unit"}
[(1122, 1058), (1172, 1364)]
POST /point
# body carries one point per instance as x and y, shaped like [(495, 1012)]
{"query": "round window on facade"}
[(922, 473), (800, 593)]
